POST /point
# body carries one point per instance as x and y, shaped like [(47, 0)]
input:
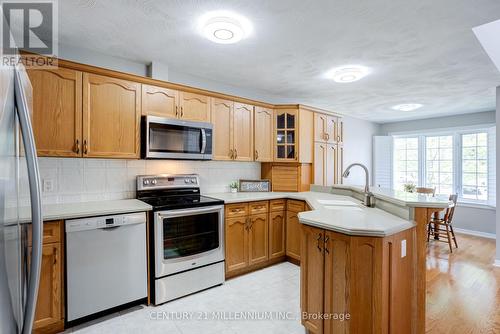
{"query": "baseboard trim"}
[(475, 233)]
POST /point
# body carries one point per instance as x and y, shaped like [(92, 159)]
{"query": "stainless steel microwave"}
[(166, 138)]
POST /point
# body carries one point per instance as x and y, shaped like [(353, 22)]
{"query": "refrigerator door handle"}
[(36, 202)]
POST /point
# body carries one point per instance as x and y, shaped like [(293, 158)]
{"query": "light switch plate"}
[(403, 248), (48, 185)]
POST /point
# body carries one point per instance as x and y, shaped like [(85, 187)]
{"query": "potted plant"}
[(409, 187), (233, 186)]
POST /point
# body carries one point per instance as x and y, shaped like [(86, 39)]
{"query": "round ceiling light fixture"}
[(224, 27), (407, 106), (348, 73)]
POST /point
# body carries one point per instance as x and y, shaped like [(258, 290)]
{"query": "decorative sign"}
[(255, 186)]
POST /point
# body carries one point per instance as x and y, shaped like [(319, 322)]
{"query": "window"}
[(460, 162), (405, 161), (475, 166), (439, 163)]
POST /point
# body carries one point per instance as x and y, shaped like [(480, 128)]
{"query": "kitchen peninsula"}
[(381, 253)]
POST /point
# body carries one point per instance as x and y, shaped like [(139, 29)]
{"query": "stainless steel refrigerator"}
[(20, 203)]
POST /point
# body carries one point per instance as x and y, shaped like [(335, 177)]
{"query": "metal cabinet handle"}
[(327, 136), (326, 244), (256, 154), (85, 147), (231, 154), (176, 111), (247, 224), (235, 154), (77, 147), (182, 112), (338, 138), (318, 239)]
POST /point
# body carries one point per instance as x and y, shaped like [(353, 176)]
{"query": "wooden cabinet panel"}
[(295, 206), (159, 101), (277, 230), (57, 111), (243, 132), (277, 205), (312, 278), (320, 128), (49, 303), (332, 170), (336, 293), (331, 129), (263, 134), (340, 131), (236, 243), (222, 116), (111, 117), (292, 235), (320, 165), (51, 232), (258, 207), (236, 210), (285, 135), (194, 107), (258, 239)]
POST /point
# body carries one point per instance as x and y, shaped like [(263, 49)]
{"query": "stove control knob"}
[(146, 182), (153, 182), (186, 181), (193, 181)]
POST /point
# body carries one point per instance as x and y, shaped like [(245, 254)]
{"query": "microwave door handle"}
[(203, 141), (36, 203)]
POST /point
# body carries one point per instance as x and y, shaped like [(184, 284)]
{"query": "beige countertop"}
[(338, 213), (80, 210)]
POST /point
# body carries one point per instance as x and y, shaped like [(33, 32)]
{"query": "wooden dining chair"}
[(441, 227), (423, 190)]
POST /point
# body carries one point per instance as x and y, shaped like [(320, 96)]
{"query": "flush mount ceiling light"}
[(348, 73), (224, 27), (407, 106)]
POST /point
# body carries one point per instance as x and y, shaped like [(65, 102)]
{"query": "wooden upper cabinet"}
[(320, 127), (258, 239), (320, 168), (263, 134), (111, 117), (243, 132), (159, 101), (194, 107), (57, 111), (222, 117), (340, 131), (331, 129), (285, 135), (333, 173)]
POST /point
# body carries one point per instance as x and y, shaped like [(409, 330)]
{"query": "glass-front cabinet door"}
[(285, 137)]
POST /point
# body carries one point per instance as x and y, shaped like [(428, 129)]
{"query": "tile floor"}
[(271, 292)]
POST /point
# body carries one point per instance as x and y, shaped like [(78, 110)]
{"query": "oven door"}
[(188, 238), (176, 139)]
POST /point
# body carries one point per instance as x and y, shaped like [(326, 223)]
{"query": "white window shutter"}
[(382, 161)]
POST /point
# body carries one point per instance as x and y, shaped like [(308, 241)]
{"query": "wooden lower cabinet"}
[(49, 314), (293, 230), (359, 284), (277, 232), (247, 237)]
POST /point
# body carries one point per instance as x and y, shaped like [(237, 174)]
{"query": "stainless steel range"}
[(187, 234)]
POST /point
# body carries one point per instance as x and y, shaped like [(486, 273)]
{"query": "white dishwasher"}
[(105, 263)]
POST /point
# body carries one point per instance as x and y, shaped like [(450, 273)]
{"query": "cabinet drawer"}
[(259, 207), (236, 210), (295, 206), (51, 232), (278, 205)]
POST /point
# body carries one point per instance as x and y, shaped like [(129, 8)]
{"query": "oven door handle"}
[(203, 141), (190, 212)]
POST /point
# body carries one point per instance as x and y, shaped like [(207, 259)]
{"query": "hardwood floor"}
[(463, 288)]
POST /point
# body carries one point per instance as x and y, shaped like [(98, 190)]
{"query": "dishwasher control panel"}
[(104, 222)]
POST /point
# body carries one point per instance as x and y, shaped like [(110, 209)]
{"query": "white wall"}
[(83, 180), (481, 118), (481, 220), (358, 136)]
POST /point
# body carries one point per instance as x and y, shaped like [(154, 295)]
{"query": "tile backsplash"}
[(83, 180)]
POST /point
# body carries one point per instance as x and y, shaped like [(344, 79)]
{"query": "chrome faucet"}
[(368, 201)]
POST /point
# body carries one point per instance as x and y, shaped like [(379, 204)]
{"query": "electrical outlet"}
[(48, 185), (403, 248)]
